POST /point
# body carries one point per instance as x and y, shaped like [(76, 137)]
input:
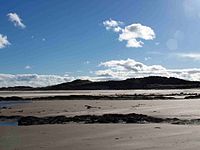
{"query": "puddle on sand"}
[(11, 103), (8, 123)]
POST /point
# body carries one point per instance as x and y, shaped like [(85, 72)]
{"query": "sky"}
[(49, 42)]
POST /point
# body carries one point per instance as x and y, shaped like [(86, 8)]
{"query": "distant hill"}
[(16, 88), (152, 82), (133, 83)]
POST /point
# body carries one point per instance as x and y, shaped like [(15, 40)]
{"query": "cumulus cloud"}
[(3, 41), (192, 56), (132, 34), (27, 67), (112, 25), (110, 70), (15, 18), (129, 68), (34, 80), (192, 74)]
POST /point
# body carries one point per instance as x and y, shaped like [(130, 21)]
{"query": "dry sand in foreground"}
[(101, 137)]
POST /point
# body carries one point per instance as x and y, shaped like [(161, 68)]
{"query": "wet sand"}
[(184, 109), (101, 137), (28, 94)]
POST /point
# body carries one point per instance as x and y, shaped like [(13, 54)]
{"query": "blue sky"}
[(69, 38)]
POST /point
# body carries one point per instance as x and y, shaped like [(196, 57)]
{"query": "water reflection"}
[(11, 103), (8, 105), (8, 123)]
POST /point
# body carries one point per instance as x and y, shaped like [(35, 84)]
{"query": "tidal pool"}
[(8, 105)]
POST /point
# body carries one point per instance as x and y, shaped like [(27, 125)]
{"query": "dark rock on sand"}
[(88, 119)]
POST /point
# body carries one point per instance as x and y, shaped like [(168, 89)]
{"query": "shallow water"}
[(8, 123), (92, 92), (7, 105), (11, 103)]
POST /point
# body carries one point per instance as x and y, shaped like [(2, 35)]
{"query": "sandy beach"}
[(28, 94), (98, 137), (78, 136), (185, 109)]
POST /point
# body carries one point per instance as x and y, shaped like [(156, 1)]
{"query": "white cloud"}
[(133, 43), (3, 41), (34, 80), (129, 68), (192, 74), (113, 25), (132, 34), (112, 70), (147, 58), (27, 67), (193, 56), (15, 18), (157, 43), (87, 62)]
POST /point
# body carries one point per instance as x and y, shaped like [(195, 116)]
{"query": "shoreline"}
[(90, 97)]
